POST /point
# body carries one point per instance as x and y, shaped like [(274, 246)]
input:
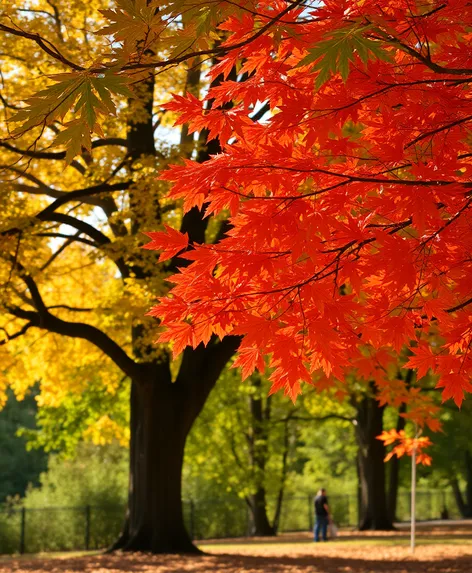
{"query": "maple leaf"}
[(132, 20), (89, 95), (455, 385), (180, 334), (338, 52), (170, 242), (249, 358), (422, 360)]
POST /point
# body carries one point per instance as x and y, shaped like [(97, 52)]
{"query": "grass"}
[(51, 555), (340, 542)]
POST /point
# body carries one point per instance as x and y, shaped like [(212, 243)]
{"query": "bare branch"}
[(60, 155), (9, 337), (43, 43), (83, 193), (43, 319), (61, 249), (64, 236), (71, 308), (47, 321)]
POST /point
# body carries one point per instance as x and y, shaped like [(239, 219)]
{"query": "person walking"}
[(321, 516)]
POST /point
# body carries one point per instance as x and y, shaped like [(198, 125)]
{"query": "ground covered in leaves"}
[(439, 551)]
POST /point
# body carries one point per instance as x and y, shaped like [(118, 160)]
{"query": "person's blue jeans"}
[(321, 526)]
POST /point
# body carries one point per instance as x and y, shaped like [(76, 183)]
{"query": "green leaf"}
[(336, 53), (85, 96), (74, 137)]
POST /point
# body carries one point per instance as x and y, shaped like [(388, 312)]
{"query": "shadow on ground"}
[(385, 562)]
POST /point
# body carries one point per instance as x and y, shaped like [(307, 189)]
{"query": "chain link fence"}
[(34, 530)]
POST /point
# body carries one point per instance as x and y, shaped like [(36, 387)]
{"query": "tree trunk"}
[(468, 474), (162, 414), (374, 514), (154, 520), (461, 504), (258, 505), (258, 448)]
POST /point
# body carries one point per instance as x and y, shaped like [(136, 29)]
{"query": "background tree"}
[(19, 466), (253, 439), (452, 455), (75, 285)]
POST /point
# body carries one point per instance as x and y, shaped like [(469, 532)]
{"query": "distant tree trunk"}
[(394, 465), (371, 452), (261, 523), (461, 504), (258, 448), (464, 505), (468, 475), (283, 478)]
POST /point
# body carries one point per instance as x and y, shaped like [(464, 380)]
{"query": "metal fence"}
[(33, 530)]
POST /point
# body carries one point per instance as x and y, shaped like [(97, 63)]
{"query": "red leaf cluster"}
[(406, 446), (351, 228)]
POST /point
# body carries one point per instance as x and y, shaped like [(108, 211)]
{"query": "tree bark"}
[(162, 414), (468, 488), (155, 520), (260, 522), (258, 448), (461, 504), (374, 514)]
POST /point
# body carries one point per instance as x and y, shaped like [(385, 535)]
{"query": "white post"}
[(413, 494)]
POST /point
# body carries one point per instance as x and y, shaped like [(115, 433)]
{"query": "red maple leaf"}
[(170, 242)]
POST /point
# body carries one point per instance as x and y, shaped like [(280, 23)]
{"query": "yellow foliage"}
[(106, 431), (83, 256)]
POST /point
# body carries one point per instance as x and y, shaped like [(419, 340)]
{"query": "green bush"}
[(78, 500)]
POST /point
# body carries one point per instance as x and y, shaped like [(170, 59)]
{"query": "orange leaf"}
[(169, 242)]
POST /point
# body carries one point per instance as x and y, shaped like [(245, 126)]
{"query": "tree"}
[(18, 467), (253, 440), (452, 455), (350, 206), (75, 284)]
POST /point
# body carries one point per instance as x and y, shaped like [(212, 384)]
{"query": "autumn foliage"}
[(344, 176), (349, 202), (403, 444)]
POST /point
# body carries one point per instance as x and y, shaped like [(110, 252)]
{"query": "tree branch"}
[(218, 51), (33, 154), (71, 308), (460, 306), (438, 130), (67, 196), (58, 155), (9, 337), (64, 236), (315, 418), (43, 43), (61, 249), (95, 336)]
